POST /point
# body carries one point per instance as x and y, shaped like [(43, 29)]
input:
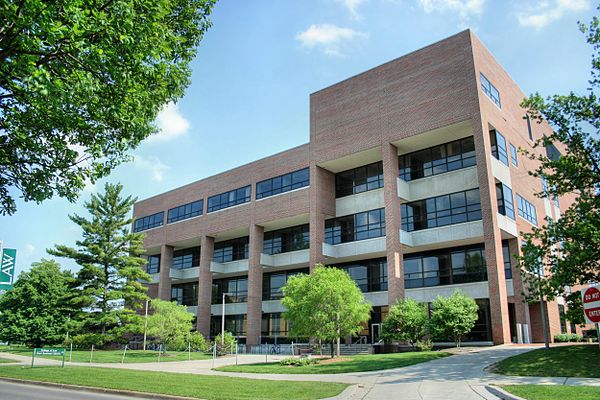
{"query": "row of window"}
[(231, 250), (526, 210), (443, 210), (273, 282), (283, 183), (229, 199), (369, 275), (490, 90), (349, 228), (286, 240), (358, 180), (498, 144)]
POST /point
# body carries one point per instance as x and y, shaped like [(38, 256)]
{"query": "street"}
[(18, 391)]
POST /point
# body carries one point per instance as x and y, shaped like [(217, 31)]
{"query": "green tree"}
[(453, 316), (37, 310), (406, 321), (326, 305), (170, 324), (81, 83), (111, 273), (567, 251)]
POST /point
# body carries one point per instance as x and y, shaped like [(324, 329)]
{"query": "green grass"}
[(114, 356), (5, 360), (371, 362), (553, 392), (187, 385), (579, 361)]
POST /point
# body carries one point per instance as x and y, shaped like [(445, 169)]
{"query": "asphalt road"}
[(18, 391)]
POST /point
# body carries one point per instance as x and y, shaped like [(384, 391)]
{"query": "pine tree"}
[(111, 275)]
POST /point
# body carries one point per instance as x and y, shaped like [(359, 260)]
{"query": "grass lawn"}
[(5, 360), (114, 356), (371, 362), (552, 392), (187, 385), (579, 361)]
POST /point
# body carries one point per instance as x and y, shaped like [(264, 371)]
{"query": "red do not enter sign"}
[(591, 304)]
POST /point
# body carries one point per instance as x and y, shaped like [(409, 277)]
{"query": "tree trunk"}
[(331, 345)]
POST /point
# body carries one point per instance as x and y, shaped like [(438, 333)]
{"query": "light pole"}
[(145, 324), (223, 318)]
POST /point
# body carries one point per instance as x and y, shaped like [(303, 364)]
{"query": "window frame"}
[(149, 222), (490, 90), (230, 198), (196, 208), (296, 181)]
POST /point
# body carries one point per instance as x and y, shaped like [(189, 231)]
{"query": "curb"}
[(501, 393), (91, 389), (356, 391)]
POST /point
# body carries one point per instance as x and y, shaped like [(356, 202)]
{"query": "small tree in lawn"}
[(170, 324), (326, 305), (406, 321), (453, 317)]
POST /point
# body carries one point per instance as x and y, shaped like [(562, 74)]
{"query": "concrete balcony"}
[(437, 185), (155, 278), (501, 171), (229, 267), (476, 290), (450, 235), (272, 306), (230, 308), (298, 257), (361, 248), (377, 298), (507, 226), (371, 200), (188, 273)]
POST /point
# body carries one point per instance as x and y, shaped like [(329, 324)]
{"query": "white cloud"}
[(153, 165), (29, 248), (327, 38), (546, 12), (352, 7), (464, 8), (171, 124)]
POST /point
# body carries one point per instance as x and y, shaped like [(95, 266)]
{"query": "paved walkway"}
[(460, 377)]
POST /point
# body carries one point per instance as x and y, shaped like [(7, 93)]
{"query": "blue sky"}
[(257, 65)]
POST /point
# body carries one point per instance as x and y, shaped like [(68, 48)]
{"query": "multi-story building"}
[(412, 182)]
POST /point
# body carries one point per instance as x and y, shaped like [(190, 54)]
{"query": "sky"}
[(259, 62)]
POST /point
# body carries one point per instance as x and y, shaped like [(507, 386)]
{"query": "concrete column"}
[(205, 286), (322, 206), (491, 234), (164, 281), (393, 223), (255, 277), (521, 305)]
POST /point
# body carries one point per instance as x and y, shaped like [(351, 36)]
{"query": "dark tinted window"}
[(365, 225), (506, 204), (185, 293), (236, 290), (369, 275), (513, 156), (358, 180), (507, 260), (149, 222), (526, 210), (490, 90), (186, 258), (229, 199), (498, 143), (231, 250), (273, 282), (153, 264), (285, 240), (185, 211), (283, 183)]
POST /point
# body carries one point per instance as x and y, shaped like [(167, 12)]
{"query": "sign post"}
[(60, 351), (591, 307), (7, 268)]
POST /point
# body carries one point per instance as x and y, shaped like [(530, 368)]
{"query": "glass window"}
[(274, 282), (274, 326), (153, 264), (369, 275), (231, 250), (513, 155), (498, 143), (185, 211), (236, 324), (445, 267), (526, 210), (361, 226), (185, 293), (229, 199), (505, 200), (358, 180), (441, 210), (490, 90), (236, 289), (438, 159), (149, 222), (507, 260), (186, 258), (286, 240), (283, 183), (529, 131)]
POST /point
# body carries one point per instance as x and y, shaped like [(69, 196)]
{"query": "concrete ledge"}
[(96, 389), (501, 393)]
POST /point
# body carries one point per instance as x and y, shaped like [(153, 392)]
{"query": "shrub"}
[(424, 345), (229, 342), (299, 362), (198, 342), (567, 337)]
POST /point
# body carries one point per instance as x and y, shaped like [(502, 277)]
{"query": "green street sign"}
[(50, 351), (7, 268)]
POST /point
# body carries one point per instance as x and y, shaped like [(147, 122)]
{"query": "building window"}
[(274, 282), (445, 267), (529, 130), (441, 210), (490, 90), (498, 143), (229, 199), (526, 210), (235, 324), (236, 289), (274, 326), (283, 183), (149, 222), (358, 180), (438, 159), (286, 240), (153, 264), (552, 152), (513, 155), (231, 250), (185, 211), (361, 226), (185, 294), (505, 200), (186, 258), (369, 275), (507, 260)]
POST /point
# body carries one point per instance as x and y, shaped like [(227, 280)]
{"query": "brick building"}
[(411, 182)]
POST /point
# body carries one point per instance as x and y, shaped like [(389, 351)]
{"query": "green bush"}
[(299, 362), (567, 337), (198, 342), (424, 345), (229, 342)]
